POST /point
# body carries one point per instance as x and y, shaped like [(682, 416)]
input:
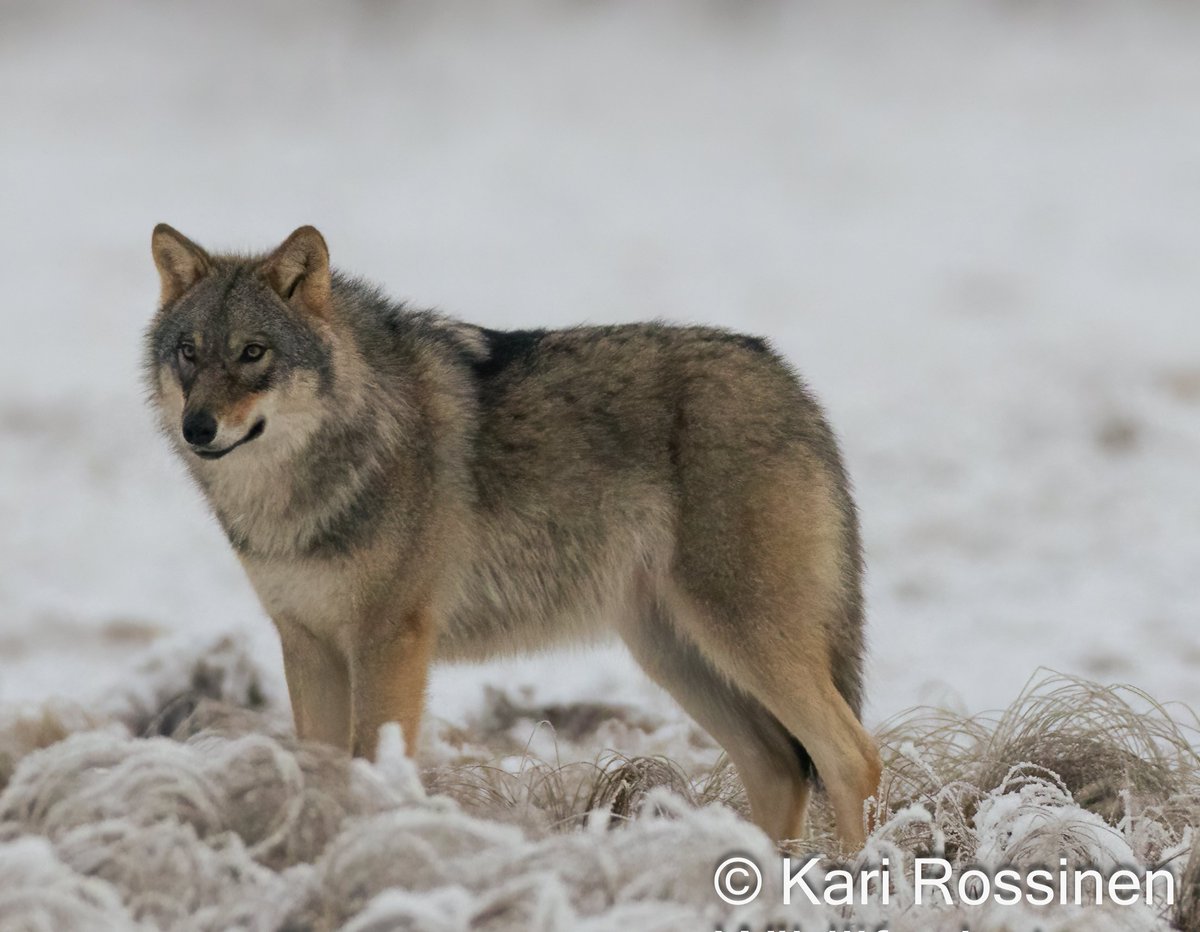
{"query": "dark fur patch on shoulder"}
[(754, 344), (744, 340), (505, 347)]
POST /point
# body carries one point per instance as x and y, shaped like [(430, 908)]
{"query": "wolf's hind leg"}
[(811, 707), (792, 678), (776, 607), (766, 759)]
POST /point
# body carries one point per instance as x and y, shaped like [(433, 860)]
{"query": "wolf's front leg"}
[(319, 685), (388, 675)]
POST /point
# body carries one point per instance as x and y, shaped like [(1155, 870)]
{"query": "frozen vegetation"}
[(183, 802)]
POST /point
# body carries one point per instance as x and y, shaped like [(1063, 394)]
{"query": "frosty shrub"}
[(183, 801)]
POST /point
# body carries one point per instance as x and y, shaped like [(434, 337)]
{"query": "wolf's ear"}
[(298, 271), (181, 263)]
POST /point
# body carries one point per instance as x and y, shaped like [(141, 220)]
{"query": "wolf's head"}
[(242, 347)]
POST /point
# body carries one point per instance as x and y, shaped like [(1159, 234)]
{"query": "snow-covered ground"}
[(181, 802), (973, 226)]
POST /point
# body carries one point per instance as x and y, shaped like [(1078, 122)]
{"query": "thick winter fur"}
[(401, 487)]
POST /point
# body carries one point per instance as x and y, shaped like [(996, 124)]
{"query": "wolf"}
[(401, 488)]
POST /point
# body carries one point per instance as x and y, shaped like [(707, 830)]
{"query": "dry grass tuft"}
[(27, 730), (1113, 750), (1071, 769), (1100, 741), (558, 797), (539, 797), (1187, 908)]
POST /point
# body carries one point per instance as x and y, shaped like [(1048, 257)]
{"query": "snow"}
[(973, 227), (217, 818)]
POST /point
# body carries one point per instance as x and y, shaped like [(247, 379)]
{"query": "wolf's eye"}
[(253, 352), (187, 351)]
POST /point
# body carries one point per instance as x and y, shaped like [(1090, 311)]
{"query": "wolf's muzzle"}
[(199, 428), (252, 434)]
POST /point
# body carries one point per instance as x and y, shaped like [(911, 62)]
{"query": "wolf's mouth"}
[(252, 434)]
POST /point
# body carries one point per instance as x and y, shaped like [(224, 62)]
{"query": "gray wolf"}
[(402, 488)]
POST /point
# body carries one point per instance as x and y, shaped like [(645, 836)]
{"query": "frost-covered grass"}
[(183, 801)]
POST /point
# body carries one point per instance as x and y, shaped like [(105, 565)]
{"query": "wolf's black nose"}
[(199, 428)]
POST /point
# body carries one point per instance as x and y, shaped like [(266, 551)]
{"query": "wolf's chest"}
[(318, 595)]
